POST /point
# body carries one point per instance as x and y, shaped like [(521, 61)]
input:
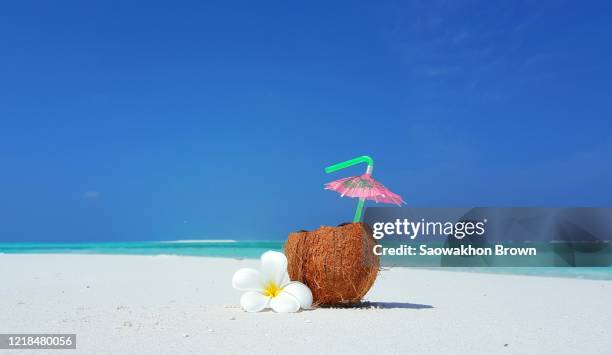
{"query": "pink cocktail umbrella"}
[(363, 187)]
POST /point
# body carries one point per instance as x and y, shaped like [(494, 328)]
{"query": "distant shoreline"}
[(581, 273), (198, 241)]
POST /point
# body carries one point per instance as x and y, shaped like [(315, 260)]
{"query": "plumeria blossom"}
[(271, 286)]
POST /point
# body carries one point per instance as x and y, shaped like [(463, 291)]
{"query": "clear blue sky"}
[(124, 120)]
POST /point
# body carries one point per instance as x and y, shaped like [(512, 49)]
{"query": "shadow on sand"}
[(384, 305), (394, 305)]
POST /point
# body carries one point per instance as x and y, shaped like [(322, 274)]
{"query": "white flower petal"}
[(273, 267), (247, 279), (285, 280), (301, 293), (253, 301), (284, 303)]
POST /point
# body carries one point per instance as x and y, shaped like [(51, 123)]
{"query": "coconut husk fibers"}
[(336, 263)]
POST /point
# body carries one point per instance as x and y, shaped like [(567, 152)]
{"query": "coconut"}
[(336, 263)]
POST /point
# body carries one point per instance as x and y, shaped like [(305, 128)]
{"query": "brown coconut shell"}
[(336, 263)]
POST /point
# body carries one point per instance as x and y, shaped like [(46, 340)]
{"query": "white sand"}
[(167, 304)]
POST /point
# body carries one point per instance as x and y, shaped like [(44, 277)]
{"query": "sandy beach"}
[(162, 304)]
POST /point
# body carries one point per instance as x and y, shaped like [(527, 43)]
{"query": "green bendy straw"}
[(345, 164)]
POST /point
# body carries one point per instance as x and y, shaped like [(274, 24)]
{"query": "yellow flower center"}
[(271, 290)]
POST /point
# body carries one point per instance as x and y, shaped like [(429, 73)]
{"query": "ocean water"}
[(253, 249), (210, 248)]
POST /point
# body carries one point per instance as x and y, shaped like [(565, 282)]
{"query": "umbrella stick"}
[(345, 164), (360, 204)]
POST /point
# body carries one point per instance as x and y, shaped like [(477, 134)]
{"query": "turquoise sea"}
[(253, 249), (210, 248)]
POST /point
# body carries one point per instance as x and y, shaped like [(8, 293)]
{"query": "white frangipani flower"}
[(271, 286)]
